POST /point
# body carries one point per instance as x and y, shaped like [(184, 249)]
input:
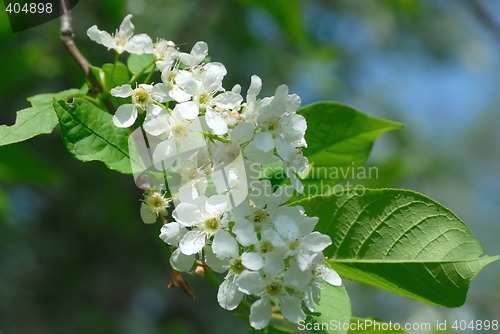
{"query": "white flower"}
[(123, 39), (296, 166), (165, 51), (198, 53), (201, 88), (143, 99), (169, 88), (206, 218), (264, 196), (269, 288), (320, 272), (241, 133), (184, 138), (155, 204), (279, 127), (253, 104), (172, 233), (295, 229), (229, 296), (193, 179), (180, 261)]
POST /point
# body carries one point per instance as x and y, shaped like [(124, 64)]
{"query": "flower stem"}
[(113, 69), (216, 281), (211, 136), (150, 74)]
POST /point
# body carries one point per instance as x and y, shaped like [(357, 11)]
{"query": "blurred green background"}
[(74, 254)]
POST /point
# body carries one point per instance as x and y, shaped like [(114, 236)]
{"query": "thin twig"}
[(67, 36)]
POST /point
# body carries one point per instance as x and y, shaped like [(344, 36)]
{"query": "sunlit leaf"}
[(401, 241), (333, 313), (89, 134), (339, 139), (34, 121), (140, 63)]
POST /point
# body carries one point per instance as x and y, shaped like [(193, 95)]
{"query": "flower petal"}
[(122, 91), (251, 283), (160, 92), (139, 44), (156, 125), (286, 227), (180, 261), (198, 53), (172, 233), (286, 151), (178, 95), (187, 214), (316, 242), (260, 313), (260, 148), (165, 154), (242, 133), (100, 37), (126, 27), (255, 86), (291, 308), (330, 276), (125, 116), (212, 76), (228, 100), (188, 110), (187, 81), (245, 232), (297, 279), (214, 262), (224, 245), (274, 264), (147, 216), (216, 122), (192, 242), (228, 296), (252, 260)]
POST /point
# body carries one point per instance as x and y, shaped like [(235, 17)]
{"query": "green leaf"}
[(117, 76), (334, 312), (339, 139), (374, 326), (34, 121), (110, 77), (338, 135), (89, 134), (140, 63), (400, 241)]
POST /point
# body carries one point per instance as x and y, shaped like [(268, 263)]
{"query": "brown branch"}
[(176, 279), (67, 36)]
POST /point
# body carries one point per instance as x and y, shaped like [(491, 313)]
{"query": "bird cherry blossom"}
[(211, 147)]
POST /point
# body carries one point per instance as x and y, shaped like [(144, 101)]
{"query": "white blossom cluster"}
[(212, 145)]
